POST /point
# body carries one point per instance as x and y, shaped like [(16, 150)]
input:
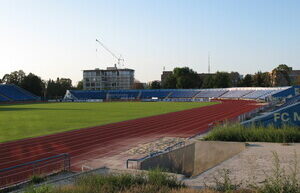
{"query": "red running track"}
[(101, 141)]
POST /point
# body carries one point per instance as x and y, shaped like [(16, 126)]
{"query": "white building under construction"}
[(110, 79)]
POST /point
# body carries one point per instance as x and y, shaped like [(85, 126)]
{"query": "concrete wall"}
[(211, 153), (179, 161), (195, 158)]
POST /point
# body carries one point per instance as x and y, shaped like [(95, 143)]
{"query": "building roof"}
[(109, 69)]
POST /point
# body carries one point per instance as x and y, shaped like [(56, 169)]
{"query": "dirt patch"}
[(252, 165)]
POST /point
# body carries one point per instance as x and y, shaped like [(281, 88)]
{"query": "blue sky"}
[(56, 38)]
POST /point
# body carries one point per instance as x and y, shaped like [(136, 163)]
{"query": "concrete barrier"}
[(177, 161), (194, 158), (211, 153)]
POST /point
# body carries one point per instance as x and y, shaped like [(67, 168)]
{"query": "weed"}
[(237, 132)]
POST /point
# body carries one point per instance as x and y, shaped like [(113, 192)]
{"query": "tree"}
[(258, 80), (183, 78), (155, 84), (267, 79), (222, 80), (57, 89), (235, 79), (15, 78), (33, 84), (208, 81), (247, 81), (170, 82), (51, 90), (64, 84), (186, 78), (79, 85), (261, 79), (280, 75)]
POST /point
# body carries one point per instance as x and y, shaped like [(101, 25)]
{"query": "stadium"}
[(90, 125), (139, 96)]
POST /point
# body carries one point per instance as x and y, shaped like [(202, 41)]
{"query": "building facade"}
[(295, 77), (110, 79)]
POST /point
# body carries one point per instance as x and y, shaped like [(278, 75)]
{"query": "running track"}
[(96, 142)]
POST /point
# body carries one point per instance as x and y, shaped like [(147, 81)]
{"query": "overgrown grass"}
[(153, 181), (236, 132), (19, 121), (279, 181), (36, 179)]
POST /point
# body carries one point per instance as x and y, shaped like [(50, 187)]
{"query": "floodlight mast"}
[(119, 59)]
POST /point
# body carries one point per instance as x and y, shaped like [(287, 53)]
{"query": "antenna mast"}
[(208, 62)]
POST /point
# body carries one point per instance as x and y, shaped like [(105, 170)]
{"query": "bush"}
[(37, 179), (41, 189), (237, 132), (153, 181), (158, 178), (225, 183)]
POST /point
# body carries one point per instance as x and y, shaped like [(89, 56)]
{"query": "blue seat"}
[(147, 94), (88, 94), (123, 94), (209, 93), (16, 94), (3, 99), (236, 93), (183, 94), (257, 93)]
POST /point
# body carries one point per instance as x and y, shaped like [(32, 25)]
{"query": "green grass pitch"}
[(19, 121)]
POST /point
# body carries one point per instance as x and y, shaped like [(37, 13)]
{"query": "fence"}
[(23, 172)]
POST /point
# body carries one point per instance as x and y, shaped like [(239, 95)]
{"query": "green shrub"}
[(152, 181), (41, 189), (158, 178), (237, 132), (36, 179)]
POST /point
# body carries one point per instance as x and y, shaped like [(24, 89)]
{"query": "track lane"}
[(97, 142)]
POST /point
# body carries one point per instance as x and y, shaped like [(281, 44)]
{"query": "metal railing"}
[(42, 167)]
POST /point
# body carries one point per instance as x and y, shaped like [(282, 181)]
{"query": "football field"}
[(19, 121)]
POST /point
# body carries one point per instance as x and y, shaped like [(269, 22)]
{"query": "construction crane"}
[(119, 59)]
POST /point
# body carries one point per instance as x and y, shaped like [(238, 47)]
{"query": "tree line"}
[(186, 78), (46, 89), (180, 78)]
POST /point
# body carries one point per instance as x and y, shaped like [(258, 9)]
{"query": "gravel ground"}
[(157, 145), (252, 165), (119, 161)]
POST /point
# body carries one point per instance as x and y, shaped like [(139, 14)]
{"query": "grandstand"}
[(211, 93), (85, 95), (183, 93), (254, 93), (123, 94), (12, 93)]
